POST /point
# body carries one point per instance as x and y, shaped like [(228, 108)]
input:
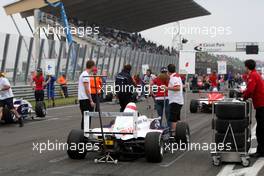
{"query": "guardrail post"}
[(109, 59), (103, 61), (83, 59), (17, 58), (125, 57), (51, 48), (98, 55), (112, 74), (40, 53), (91, 54), (76, 61), (120, 58), (28, 59), (68, 59), (7, 38), (59, 59)]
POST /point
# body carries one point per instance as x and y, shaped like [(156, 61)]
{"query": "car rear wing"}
[(88, 115)]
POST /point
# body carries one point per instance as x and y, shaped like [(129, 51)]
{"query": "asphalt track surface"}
[(18, 156)]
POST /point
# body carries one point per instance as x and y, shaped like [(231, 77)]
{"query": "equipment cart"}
[(232, 131)]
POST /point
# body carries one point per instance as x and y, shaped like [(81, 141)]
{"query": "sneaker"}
[(20, 122)]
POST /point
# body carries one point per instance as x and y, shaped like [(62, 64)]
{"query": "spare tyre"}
[(230, 111), (8, 117), (41, 110)]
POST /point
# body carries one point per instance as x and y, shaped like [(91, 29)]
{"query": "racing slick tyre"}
[(238, 126), (194, 106), (41, 110), (75, 138), (230, 111), (182, 133), (154, 150), (232, 94), (7, 116)]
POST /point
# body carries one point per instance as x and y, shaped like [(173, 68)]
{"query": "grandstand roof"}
[(127, 15)]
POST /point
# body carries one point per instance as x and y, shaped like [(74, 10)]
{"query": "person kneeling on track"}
[(175, 96), (255, 90), (84, 91), (161, 96), (6, 99)]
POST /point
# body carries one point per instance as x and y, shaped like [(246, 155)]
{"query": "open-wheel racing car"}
[(23, 107), (129, 135), (204, 104)]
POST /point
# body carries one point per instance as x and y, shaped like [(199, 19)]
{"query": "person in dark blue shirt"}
[(51, 88)]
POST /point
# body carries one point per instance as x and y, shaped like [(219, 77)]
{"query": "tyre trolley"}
[(231, 127)]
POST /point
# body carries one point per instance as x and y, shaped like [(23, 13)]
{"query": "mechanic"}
[(175, 96), (255, 90), (213, 81), (84, 90), (124, 87), (161, 96), (51, 88), (97, 88), (63, 84), (6, 99), (40, 83)]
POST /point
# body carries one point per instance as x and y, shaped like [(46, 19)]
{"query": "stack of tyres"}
[(232, 125)]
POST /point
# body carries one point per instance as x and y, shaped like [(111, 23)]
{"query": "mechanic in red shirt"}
[(39, 85), (213, 80), (255, 90)]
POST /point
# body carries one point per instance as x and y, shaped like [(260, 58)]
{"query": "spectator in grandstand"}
[(255, 90), (6, 99), (175, 96), (124, 87), (51, 88), (161, 96), (96, 85), (84, 91), (63, 84), (213, 81)]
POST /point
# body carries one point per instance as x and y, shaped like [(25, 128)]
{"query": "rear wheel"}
[(75, 139), (154, 150), (194, 106)]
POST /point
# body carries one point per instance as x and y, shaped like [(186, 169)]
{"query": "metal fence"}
[(18, 61)]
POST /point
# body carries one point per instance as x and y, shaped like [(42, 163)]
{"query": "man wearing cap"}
[(6, 99)]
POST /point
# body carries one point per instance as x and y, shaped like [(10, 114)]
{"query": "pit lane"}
[(18, 158)]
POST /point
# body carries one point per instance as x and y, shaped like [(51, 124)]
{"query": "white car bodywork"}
[(137, 125)]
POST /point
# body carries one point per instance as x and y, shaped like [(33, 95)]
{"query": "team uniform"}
[(6, 96), (255, 90), (175, 98), (39, 89), (85, 103)]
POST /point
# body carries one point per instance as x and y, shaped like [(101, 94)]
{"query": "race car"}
[(23, 107), (128, 135), (238, 91), (204, 104)]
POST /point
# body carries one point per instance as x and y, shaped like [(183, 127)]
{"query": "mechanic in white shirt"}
[(6, 99), (84, 90), (175, 96)]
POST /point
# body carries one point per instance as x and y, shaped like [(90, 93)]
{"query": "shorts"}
[(7, 102), (175, 112), (39, 95)]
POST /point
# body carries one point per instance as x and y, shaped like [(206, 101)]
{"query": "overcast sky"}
[(242, 20)]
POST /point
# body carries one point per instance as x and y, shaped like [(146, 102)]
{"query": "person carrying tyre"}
[(124, 87), (255, 90), (84, 90), (175, 96), (160, 95), (38, 83), (6, 99)]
